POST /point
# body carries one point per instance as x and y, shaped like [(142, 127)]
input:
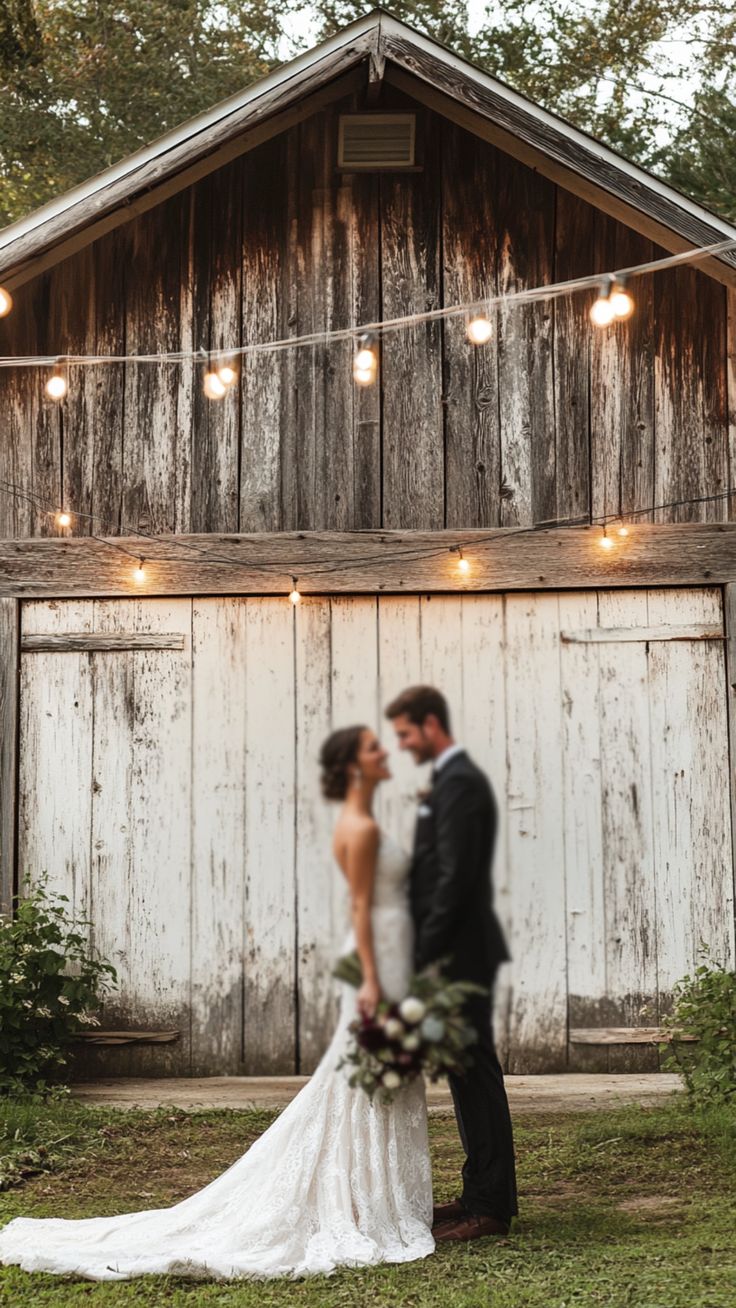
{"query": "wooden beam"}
[(98, 641), (625, 1035), (578, 171), (97, 1037), (370, 562), (605, 635), (9, 663)]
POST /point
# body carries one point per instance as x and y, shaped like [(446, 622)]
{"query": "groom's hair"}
[(417, 702)]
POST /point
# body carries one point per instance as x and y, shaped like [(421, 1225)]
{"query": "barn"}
[(162, 702)]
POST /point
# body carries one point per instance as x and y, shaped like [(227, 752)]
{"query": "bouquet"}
[(425, 1033)]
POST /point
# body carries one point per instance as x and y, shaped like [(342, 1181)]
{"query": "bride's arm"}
[(361, 871)]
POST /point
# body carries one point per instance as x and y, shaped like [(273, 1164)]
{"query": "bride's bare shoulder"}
[(353, 832)]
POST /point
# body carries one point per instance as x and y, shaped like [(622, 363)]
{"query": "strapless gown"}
[(335, 1181)]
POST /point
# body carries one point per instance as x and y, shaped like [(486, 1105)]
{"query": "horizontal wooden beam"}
[(98, 641), (369, 562), (626, 1035), (98, 1037), (608, 635)]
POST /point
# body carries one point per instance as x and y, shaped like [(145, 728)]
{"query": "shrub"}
[(50, 981), (705, 1007)]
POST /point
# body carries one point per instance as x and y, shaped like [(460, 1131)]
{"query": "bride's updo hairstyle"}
[(338, 754)]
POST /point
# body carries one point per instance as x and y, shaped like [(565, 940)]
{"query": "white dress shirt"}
[(445, 756)]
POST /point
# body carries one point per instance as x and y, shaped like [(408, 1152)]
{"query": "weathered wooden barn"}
[(159, 738)]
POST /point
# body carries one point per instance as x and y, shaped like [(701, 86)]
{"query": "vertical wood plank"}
[(219, 674), (399, 666), (270, 969), (315, 872), (692, 835), (526, 402), (413, 425), (141, 830), (264, 377), (482, 730), (628, 842), (106, 388), (9, 678), (469, 232), (538, 1017), (574, 257), (622, 384), (731, 393), (582, 829), (56, 733), (729, 619)]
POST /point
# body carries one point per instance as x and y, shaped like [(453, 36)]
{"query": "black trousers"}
[(484, 1122)]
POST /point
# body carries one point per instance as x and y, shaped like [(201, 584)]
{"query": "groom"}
[(451, 899)]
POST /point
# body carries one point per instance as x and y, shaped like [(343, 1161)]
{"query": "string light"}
[(6, 302), (622, 302), (601, 310), (462, 563), (479, 329), (63, 519), (605, 542), (227, 372), (623, 530), (140, 573), (214, 385), (295, 597), (365, 361), (57, 385)]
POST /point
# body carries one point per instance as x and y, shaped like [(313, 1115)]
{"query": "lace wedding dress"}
[(336, 1180)]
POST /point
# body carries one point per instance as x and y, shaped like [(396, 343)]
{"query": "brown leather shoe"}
[(447, 1212), (470, 1228)]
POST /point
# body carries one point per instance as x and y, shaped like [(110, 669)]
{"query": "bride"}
[(336, 1180)]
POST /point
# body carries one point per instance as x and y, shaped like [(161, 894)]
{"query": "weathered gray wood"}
[(65, 642), (625, 1035), (9, 662), (573, 257), (413, 423), (470, 385), (686, 631), (370, 562), (729, 622), (622, 385)]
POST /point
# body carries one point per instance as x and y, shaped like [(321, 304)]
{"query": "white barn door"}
[(169, 785)]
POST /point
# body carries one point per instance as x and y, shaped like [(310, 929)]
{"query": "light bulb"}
[(227, 373), (6, 302), (479, 330), (601, 311), (139, 573), (63, 519), (462, 564), (623, 531), (295, 597), (364, 376), (365, 359), (56, 386), (605, 542), (214, 387), (621, 302)]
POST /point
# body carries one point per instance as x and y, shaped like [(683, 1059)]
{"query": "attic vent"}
[(376, 141)]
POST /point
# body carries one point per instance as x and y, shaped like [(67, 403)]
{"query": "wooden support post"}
[(9, 667)]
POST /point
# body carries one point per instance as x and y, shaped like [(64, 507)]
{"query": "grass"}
[(632, 1208)]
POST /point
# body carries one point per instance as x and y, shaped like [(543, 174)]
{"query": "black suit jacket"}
[(451, 889)]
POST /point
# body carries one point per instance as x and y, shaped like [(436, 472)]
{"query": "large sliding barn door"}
[(169, 785)]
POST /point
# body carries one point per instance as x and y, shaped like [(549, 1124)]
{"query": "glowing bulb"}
[(462, 564), (621, 302), (139, 573), (364, 376), (623, 531), (6, 302), (601, 311), (479, 330), (295, 597), (56, 386), (63, 519), (227, 373), (214, 386), (365, 361), (606, 542)]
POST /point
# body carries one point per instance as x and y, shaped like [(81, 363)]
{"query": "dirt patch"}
[(652, 1205)]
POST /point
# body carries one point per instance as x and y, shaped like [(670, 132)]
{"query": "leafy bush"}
[(50, 981), (705, 1007)]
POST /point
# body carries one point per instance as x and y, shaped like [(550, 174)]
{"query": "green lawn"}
[(627, 1209)]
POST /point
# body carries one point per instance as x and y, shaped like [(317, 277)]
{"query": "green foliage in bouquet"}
[(427, 1032), (705, 1007), (50, 980)]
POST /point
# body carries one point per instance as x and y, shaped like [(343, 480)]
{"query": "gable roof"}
[(372, 48)]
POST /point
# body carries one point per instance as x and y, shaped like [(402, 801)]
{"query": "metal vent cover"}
[(376, 141)]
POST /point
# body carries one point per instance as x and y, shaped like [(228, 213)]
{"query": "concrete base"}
[(569, 1092)]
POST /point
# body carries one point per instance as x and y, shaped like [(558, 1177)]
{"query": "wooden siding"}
[(552, 419), (197, 839)]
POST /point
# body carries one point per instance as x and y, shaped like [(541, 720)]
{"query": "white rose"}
[(410, 1043), (393, 1028), (411, 1009), (391, 1080)]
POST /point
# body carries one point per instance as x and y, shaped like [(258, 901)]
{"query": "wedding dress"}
[(335, 1181)]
